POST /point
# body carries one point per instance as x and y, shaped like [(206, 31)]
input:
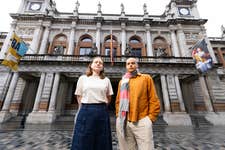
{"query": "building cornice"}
[(111, 19)]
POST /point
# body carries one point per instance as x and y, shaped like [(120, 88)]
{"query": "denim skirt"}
[(92, 128)]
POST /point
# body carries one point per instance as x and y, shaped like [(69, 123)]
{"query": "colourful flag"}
[(200, 53), (111, 49), (17, 49)]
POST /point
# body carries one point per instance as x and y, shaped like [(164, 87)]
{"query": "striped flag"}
[(200, 53), (17, 49)]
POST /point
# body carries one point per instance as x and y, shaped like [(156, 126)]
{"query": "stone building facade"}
[(62, 44)]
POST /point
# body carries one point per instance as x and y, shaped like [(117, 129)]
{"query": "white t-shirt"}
[(93, 89)]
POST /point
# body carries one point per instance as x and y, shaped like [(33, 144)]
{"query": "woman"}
[(92, 128)]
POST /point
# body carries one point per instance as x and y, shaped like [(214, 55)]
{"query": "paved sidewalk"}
[(44, 137)]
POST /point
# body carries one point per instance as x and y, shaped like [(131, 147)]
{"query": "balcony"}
[(118, 59)]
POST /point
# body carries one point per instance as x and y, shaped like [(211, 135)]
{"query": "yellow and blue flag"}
[(17, 49)]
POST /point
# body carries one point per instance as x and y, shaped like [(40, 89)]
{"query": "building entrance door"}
[(114, 83)]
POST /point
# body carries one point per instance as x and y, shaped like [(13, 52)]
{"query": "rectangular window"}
[(85, 50), (136, 52), (107, 52)]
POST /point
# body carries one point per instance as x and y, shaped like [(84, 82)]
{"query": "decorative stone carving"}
[(25, 31)]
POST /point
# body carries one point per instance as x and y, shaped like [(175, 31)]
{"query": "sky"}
[(213, 10)]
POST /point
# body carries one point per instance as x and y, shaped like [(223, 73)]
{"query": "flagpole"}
[(111, 48)]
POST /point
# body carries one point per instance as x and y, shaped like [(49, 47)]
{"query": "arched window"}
[(161, 48), (86, 39), (59, 45), (86, 45), (108, 45), (135, 47), (134, 41)]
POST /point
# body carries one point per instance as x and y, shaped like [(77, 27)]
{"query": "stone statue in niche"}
[(128, 51), (93, 51), (161, 52), (58, 50)]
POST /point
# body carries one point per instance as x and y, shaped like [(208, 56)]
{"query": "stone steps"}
[(67, 122), (199, 121)]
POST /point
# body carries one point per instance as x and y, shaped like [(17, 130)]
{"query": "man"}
[(137, 106)]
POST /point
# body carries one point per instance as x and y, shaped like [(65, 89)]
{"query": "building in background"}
[(62, 44), (2, 38)]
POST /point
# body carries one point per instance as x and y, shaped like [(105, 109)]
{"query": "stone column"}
[(5, 114), (173, 118), (72, 39), (174, 42), (44, 42), (98, 37), (41, 115), (54, 93), (149, 40), (17, 96), (39, 92), (10, 92), (7, 40), (36, 38), (123, 38), (205, 94), (179, 94), (182, 41), (5, 78), (165, 94)]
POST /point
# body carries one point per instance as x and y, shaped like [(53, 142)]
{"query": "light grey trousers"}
[(139, 135)]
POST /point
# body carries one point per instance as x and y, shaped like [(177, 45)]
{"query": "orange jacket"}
[(143, 98)]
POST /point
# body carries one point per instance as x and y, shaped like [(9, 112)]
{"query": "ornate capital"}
[(147, 27), (179, 26), (98, 25), (172, 28), (73, 25), (123, 26)]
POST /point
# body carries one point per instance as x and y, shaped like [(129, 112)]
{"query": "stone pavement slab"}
[(38, 137)]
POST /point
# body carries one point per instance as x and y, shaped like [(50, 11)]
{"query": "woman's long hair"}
[(89, 70)]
